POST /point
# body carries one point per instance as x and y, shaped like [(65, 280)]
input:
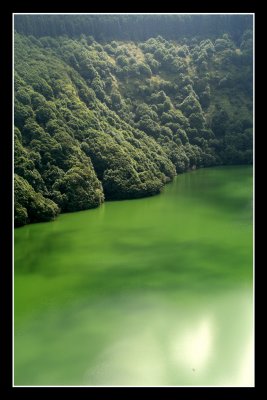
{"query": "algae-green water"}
[(149, 292)]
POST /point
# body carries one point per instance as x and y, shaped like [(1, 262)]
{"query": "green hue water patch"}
[(154, 291)]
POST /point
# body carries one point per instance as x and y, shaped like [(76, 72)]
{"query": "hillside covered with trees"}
[(110, 107)]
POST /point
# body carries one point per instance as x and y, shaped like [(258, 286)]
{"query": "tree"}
[(31, 206), (81, 189), (44, 114)]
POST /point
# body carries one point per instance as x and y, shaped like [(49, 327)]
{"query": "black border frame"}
[(6, 169)]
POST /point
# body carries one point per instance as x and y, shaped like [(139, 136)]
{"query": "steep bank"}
[(116, 120)]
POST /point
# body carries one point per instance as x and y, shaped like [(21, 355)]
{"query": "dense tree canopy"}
[(102, 119), (133, 27)]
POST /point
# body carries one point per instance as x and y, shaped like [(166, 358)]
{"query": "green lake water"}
[(148, 292)]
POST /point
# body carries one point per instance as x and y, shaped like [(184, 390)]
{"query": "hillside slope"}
[(117, 120)]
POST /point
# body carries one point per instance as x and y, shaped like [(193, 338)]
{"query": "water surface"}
[(155, 291)]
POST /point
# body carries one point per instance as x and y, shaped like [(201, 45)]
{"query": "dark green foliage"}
[(79, 189), (31, 206), (141, 27), (44, 114), (117, 120)]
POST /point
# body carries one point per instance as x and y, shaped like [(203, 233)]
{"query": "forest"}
[(113, 107)]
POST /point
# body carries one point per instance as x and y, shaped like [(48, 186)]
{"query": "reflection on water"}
[(182, 348), (193, 347), (245, 375), (148, 341), (150, 292)]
